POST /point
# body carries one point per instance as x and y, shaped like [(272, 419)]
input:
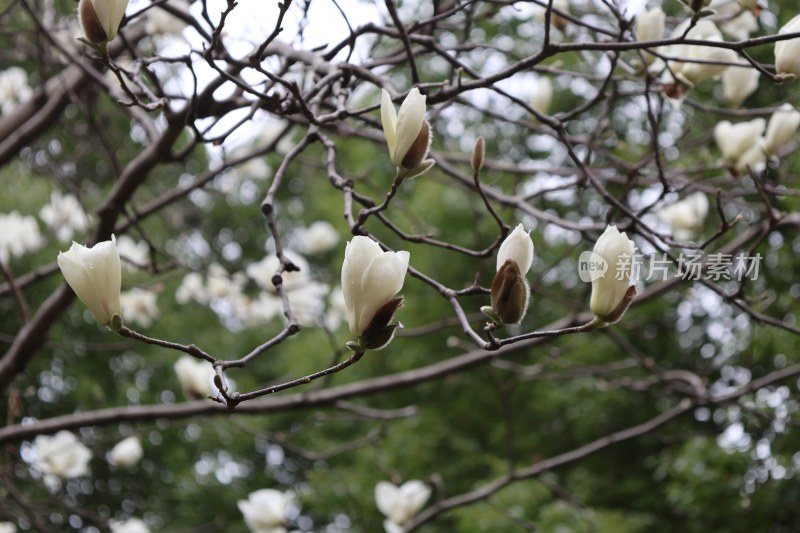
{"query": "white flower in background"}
[(262, 310), (95, 275), (542, 97), (694, 73), (555, 19), (221, 285), (781, 128), (64, 216), (263, 271), (686, 216), (61, 455), (337, 309), (510, 291), (308, 303), (611, 291), (8, 527), (267, 510), (741, 26), (787, 53), (140, 306), (739, 82), (162, 22), (650, 27), (740, 143), (192, 288), (400, 504), (195, 376), (370, 279), (408, 134), (18, 235), (126, 453), (319, 237), (14, 88), (131, 525), (134, 254), (100, 18)]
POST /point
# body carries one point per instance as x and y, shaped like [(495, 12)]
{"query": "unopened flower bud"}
[(100, 19), (611, 290), (408, 134), (477, 154), (510, 291), (787, 53)]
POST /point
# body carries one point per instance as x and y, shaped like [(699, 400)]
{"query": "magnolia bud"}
[(542, 97), (126, 453), (687, 216), (510, 291), (782, 126), (100, 18), (477, 154), (739, 82), (735, 140), (787, 53), (704, 62), (407, 133), (95, 274), (611, 290)]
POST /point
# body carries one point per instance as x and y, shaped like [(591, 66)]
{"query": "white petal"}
[(518, 247), (389, 122), (382, 279), (409, 123)]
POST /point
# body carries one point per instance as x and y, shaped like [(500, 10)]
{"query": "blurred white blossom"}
[(781, 128), (400, 504), (740, 143), (320, 236), (14, 88), (134, 254), (542, 95), (162, 22), (61, 455), (8, 527), (195, 376), (787, 52), (139, 306), (192, 288), (686, 216), (19, 234), (267, 510), (131, 525), (739, 82), (689, 71), (64, 216), (126, 452)]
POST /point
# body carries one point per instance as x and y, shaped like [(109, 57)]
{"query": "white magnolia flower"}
[(195, 376), (134, 254), (542, 98), (18, 235), (126, 453), (687, 216), (267, 510), (650, 27), (61, 455), (781, 128), (739, 26), (14, 88), (370, 279), (787, 53), (162, 22), (407, 132), (192, 288), (8, 527), (736, 141), (739, 82), (100, 18), (510, 291), (95, 274), (610, 296), (131, 525), (400, 504), (64, 216), (748, 4), (692, 73), (319, 237), (140, 306), (221, 285)]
